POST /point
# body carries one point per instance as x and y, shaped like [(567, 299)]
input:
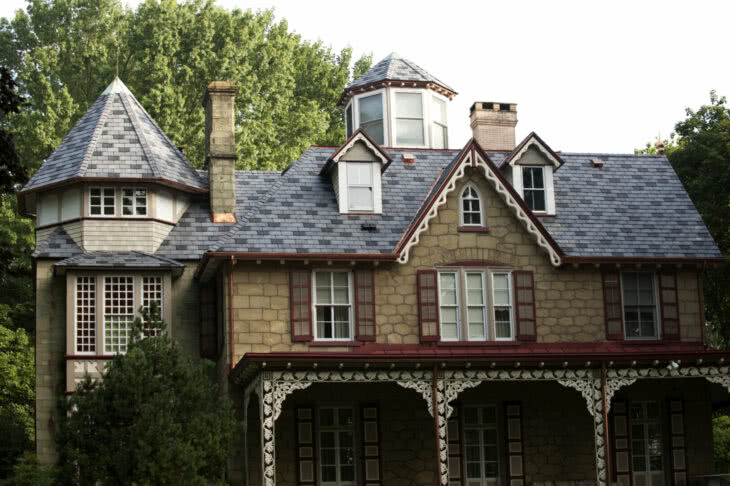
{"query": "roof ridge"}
[(94, 137), (142, 139)]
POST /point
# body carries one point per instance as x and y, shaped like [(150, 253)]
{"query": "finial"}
[(659, 145)]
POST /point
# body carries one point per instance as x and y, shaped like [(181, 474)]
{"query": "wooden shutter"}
[(524, 284), (365, 304), (208, 322), (677, 433), (371, 466), (300, 304), (619, 424), (455, 432), (428, 304), (306, 458), (515, 447), (669, 305), (612, 305)]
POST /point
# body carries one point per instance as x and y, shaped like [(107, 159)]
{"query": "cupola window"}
[(102, 201), (439, 128), (409, 119), (371, 117), (348, 120), (134, 202)]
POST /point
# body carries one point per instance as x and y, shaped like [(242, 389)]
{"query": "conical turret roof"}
[(118, 139), (397, 68)]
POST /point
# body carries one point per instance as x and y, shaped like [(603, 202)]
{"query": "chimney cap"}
[(489, 105), (597, 163)]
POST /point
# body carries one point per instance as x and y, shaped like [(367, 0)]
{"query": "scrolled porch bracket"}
[(423, 387), (266, 401)]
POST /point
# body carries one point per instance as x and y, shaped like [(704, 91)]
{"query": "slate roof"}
[(635, 206), (57, 245), (124, 259), (396, 68), (117, 138)]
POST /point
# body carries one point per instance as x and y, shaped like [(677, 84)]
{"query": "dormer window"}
[(360, 186), (371, 117), (533, 184), (102, 201), (134, 202), (471, 207), (409, 119)]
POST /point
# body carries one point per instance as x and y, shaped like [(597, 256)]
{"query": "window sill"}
[(644, 342), (91, 356), (335, 344), (543, 215), (472, 229), (479, 344)]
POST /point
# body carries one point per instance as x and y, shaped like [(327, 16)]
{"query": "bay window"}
[(151, 293), (409, 119), (485, 305), (333, 305), (371, 117), (439, 129), (85, 315), (118, 313)]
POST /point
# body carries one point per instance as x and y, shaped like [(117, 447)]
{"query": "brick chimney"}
[(493, 124), (220, 150)]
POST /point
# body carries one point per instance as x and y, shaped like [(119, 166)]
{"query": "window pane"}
[(348, 121), (326, 418), (374, 130), (475, 289), (439, 136), (410, 132), (535, 199), (340, 279), (438, 110), (449, 329), (371, 108), (408, 105), (361, 198)]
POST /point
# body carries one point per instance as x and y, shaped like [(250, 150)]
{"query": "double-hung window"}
[(371, 117), (333, 305), (337, 446), (482, 299), (639, 305), (85, 315), (439, 129), (152, 289), (409, 119), (118, 312), (360, 186), (134, 202), (481, 445), (647, 462), (348, 121), (471, 207), (102, 201), (533, 186)]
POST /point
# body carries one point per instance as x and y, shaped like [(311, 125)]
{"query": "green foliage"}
[(721, 443), (64, 53), (12, 171), (155, 418), (670, 145), (16, 278), (17, 398), (27, 472)]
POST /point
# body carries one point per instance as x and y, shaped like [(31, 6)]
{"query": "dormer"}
[(355, 170), (398, 104), (530, 168)]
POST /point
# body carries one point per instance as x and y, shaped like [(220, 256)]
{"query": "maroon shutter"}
[(428, 305), (515, 447), (669, 305), (208, 322), (677, 434), (524, 284), (456, 474), (371, 470), (365, 304), (300, 303), (619, 424), (612, 305), (306, 459)]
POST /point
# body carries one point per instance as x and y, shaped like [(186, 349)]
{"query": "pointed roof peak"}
[(116, 87)]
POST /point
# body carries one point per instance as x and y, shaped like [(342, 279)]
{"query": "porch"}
[(539, 426)]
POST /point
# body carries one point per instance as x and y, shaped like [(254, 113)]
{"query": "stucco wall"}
[(121, 235)]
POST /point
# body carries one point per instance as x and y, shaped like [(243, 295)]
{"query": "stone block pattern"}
[(121, 235)]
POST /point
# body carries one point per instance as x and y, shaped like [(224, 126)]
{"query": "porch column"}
[(268, 446)]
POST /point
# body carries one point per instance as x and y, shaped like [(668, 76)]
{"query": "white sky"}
[(587, 76)]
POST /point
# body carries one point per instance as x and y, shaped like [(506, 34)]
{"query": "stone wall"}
[(185, 320)]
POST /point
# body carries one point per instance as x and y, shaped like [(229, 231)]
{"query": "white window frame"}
[(386, 121), (544, 186), (146, 301), (337, 429), (351, 304), (424, 113), (97, 339), (372, 168), (458, 306), (350, 121), (481, 427), (104, 314), (547, 178), (134, 202), (485, 305), (481, 206), (102, 215), (434, 122), (510, 289), (657, 316)]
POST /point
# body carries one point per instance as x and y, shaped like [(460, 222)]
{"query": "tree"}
[(155, 418), (721, 442), (17, 397), (65, 52)]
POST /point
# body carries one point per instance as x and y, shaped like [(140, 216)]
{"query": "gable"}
[(359, 152), (473, 157), (532, 156), (535, 150)]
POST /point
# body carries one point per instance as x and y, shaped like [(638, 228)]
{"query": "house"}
[(391, 311)]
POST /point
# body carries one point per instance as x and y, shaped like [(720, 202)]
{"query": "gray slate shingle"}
[(396, 68), (124, 259), (57, 245), (116, 138)]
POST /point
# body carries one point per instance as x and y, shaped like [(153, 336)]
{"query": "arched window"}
[(471, 207)]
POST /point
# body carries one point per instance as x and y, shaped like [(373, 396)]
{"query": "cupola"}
[(398, 104)]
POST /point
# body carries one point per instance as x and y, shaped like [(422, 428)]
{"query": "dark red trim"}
[(394, 83), (477, 263), (514, 479), (361, 290), (524, 336), (421, 305), (663, 305), (102, 218), (701, 305), (606, 303), (480, 344), (472, 229), (131, 180), (335, 344), (307, 275), (304, 256), (509, 158), (357, 132)]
